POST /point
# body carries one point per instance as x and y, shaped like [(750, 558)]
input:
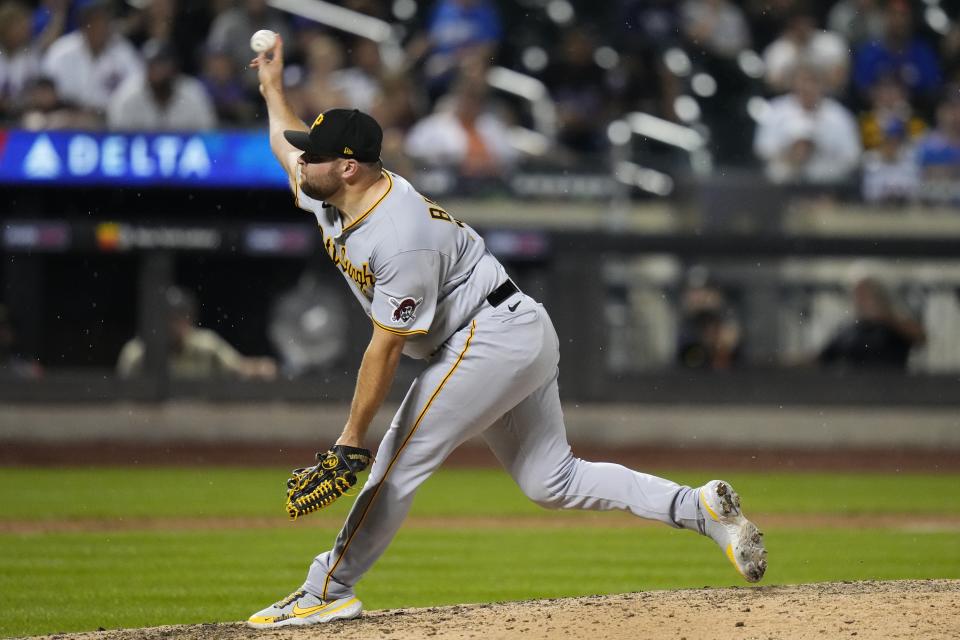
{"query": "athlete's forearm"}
[(377, 370), (281, 118), (269, 66)]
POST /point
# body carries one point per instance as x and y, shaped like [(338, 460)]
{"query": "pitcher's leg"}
[(454, 399), (370, 531), (531, 443), (414, 446)]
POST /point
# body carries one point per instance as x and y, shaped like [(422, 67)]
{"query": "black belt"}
[(501, 293)]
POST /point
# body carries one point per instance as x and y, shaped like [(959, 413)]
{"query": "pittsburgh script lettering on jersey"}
[(362, 276)]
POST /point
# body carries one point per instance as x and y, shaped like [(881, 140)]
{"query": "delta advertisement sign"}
[(235, 159)]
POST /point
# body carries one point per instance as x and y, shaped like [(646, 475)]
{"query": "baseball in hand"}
[(263, 40)]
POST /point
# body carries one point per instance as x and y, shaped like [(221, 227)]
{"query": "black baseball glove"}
[(319, 486)]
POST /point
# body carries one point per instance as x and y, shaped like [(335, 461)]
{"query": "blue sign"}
[(234, 159)]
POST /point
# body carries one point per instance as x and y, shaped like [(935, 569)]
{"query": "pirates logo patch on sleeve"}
[(404, 310)]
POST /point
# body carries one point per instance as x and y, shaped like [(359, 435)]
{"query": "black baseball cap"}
[(343, 133)]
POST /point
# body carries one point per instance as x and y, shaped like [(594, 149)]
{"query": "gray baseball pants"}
[(496, 377)]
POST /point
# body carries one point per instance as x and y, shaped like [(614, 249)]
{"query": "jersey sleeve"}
[(406, 292)]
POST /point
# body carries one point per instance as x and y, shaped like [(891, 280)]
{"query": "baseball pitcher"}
[(490, 352)]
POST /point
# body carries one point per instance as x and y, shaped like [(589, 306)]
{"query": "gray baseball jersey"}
[(416, 270), (491, 372)]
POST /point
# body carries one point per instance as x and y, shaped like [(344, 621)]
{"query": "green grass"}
[(38, 494), (53, 582)]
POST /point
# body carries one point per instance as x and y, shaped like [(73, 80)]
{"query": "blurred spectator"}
[(231, 31), (195, 353), (649, 24), (950, 54), (39, 103), (578, 86), (806, 136), (889, 104), (221, 6), (890, 170), (221, 79), (765, 19), (397, 104), (938, 153), (375, 8), (901, 54), (459, 33), (359, 83), (464, 133), (11, 365), (52, 18), (181, 25), (880, 337), (19, 57), (802, 41), (397, 107), (316, 92), (88, 65), (162, 99), (151, 20), (640, 80), (709, 335), (43, 109), (718, 26), (858, 21)]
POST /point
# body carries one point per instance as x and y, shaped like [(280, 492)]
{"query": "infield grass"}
[(81, 580)]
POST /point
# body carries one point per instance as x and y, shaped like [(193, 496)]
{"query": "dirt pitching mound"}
[(897, 609)]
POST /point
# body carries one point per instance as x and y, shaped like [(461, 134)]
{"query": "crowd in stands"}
[(815, 92)]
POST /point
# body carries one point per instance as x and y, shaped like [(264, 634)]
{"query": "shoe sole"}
[(347, 611), (745, 551)]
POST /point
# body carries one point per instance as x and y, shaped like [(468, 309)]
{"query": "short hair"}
[(375, 165)]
